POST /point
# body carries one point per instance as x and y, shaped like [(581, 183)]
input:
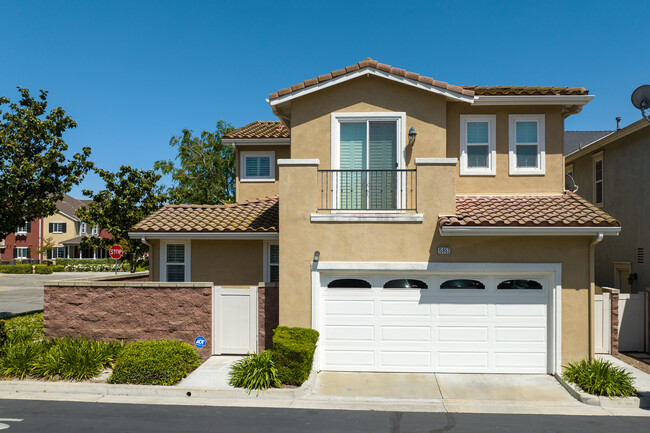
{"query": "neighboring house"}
[(64, 228), (21, 244), (417, 225), (610, 170)]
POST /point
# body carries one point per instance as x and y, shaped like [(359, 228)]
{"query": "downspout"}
[(592, 295)]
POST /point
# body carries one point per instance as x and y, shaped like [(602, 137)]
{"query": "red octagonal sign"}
[(116, 251)]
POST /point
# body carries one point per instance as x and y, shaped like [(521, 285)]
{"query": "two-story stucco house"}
[(417, 225)]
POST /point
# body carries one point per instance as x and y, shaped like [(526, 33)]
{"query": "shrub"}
[(19, 358), (58, 268), (154, 362), (43, 269), (600, 377), (28, 327), (293, 353), (66, 262), (256, 371), (3, 336), (15, 269)]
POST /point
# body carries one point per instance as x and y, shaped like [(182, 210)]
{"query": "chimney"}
[(618, 123)]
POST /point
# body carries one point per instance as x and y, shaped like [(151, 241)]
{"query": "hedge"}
[(293, 353), (66, 262), (154, 362), (15, 269), (58, 268), (43, 269)]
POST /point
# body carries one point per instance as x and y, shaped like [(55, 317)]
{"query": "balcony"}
[(368, 190)]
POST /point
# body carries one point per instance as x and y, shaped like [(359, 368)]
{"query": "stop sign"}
[(116, 251)]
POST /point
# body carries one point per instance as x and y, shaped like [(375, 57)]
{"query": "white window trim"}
[(21, 256), (267, 259), (335, 134), (21, 230), (242, 169), (491, 170), (83, 229), (541, 145), (163, 258), (94, 231), (595, 158), (54, 228)]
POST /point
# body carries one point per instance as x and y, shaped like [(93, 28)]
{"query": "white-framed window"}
[(21, 253), (95, 231), (598, 177), (478, 153), (83, 229), (57, 227), (22, 229), (257, 166), (57, 253), (527, 144), (366, 148), (175, 261), (271, 261)]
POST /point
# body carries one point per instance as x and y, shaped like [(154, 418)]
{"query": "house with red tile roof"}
[(419, 226)]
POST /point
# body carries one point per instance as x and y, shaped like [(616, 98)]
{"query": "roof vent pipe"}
[(618, 123)]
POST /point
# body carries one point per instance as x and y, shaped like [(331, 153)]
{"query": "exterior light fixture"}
[(412, 135), (316, 256)]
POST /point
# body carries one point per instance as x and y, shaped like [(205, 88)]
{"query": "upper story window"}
[(598, 179), (367, 152), (478, 144), (83, 229), (527, 144), (57, 228), (274, 263), (257, 166), (95, 231), (23, 229)]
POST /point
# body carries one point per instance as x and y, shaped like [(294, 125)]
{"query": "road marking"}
[(4, 426)]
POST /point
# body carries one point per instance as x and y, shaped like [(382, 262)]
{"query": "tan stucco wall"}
[(154, 260), (311, 116), (72, 228), (415, 242), (248, 190), (502, 182), (231, 262), (626, 196)]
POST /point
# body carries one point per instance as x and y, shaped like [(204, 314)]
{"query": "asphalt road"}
[(24, 292), (54, 417)]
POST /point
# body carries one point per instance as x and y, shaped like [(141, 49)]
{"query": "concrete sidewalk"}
[(641, 379), (212, 374)]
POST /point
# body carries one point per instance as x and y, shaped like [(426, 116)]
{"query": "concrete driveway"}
[(448, 387), (24, 292)]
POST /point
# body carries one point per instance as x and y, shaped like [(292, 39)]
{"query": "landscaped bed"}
[(25, 353)]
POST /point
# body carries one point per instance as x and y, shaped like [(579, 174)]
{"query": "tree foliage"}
[(206, 168), (129, 196), (34, 171)]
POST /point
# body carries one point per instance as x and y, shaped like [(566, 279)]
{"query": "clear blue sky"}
[(134, 73)]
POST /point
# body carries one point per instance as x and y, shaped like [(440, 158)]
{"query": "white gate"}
[(632, 322), (234, 320), (603, 325)]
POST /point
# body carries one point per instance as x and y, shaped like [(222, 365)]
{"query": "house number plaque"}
[(444, 250)]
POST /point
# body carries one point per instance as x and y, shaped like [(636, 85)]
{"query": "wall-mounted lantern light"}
[(316, 256), (412, 135)]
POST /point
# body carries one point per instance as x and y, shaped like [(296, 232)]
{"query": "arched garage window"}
[(404, 283), (462, 284), (519, 285), (349, 283)]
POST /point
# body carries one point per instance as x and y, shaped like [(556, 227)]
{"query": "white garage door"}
[(458, 323)]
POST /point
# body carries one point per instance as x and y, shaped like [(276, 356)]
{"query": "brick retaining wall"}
[(269, 313), (130, 310)]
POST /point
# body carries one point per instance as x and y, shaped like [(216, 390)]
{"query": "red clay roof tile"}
[(568, 209), (259, 129)]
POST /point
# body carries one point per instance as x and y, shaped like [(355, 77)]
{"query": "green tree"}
[(129, 196), (206, 170), (34, 171)]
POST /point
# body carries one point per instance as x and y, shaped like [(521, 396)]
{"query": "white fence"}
[(603, 323), (632, 322), (234, 320)]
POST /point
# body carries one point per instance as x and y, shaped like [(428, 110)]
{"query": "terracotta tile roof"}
[(464, 90), (259, 129), (568, 209), (374, 64), (525, 90), (253, 216)]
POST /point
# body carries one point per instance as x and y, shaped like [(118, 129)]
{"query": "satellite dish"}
[(569, 183), (641, 100)]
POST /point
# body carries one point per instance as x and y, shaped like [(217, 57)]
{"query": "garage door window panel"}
[(462, 284), (349, 283), (405, 283), (519, 285)]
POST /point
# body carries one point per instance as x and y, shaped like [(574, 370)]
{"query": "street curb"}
[(606, 402)]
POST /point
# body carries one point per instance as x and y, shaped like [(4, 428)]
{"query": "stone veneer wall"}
[(130, 310), (269, 313)]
